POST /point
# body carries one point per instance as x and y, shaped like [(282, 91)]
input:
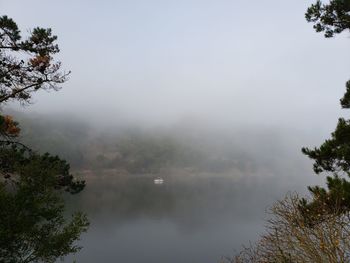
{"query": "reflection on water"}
[(192, 218)]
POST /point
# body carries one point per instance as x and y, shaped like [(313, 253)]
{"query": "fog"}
[(217, 97), (155, 62), (219, 183)]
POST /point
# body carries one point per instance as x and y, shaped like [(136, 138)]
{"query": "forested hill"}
[(136, 150)]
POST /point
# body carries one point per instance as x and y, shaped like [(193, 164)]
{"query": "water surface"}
[(189, 218)]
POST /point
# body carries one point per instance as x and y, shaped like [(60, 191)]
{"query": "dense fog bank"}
[(219, 181), (192, 145)]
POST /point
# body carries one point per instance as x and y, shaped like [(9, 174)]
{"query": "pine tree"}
[(33, 227), (333, 156)]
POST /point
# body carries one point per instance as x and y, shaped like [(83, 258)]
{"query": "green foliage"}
[(33, 227), (325, 202), (13, 155), (345, 101), (332, 18), (333, 156), (27, 65)]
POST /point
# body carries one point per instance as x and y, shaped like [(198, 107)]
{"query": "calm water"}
[(187, 219)]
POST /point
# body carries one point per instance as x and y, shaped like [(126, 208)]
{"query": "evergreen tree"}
[(333, 156), (332, 18), (33, 227)]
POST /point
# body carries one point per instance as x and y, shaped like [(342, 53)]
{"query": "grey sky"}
[(231, 61)]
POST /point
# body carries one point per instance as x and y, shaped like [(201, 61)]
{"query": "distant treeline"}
[(129, 150), (136, 150)]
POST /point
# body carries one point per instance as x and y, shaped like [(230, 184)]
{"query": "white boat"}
[(158, 180)]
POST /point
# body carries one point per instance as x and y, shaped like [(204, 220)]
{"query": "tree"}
[(315, 229), (333, 156), (332, 18), (288, 238), (33, 227), (32, 224), (27, 65)]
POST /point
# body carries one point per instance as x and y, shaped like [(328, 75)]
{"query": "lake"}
[(189, 218)]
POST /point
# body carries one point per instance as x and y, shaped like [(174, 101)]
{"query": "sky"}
[(230, 62)]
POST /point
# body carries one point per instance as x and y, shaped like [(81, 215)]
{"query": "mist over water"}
[(191, 217), (218, 184), (215, 97)]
